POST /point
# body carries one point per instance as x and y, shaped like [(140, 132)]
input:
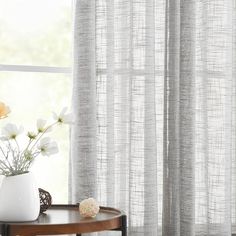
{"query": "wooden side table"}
[(65, 219)]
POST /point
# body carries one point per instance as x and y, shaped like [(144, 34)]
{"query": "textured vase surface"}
[(19, 198)]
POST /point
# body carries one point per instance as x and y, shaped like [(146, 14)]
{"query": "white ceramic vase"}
[(19, 198)]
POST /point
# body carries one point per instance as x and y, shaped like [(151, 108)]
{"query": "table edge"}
[(114, 223)]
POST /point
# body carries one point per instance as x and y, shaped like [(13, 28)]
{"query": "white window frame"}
[(40, 69)]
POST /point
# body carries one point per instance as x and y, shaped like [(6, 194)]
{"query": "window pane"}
[(35, 32), (32, 96)]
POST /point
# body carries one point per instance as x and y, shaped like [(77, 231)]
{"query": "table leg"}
[(5, 231), (78, 234), (124, 225)]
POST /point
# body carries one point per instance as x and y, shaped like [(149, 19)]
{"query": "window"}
[(35, 78)]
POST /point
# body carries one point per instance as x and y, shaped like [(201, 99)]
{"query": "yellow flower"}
[(4, 110)]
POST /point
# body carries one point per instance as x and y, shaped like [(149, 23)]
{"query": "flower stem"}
[(40, 136)]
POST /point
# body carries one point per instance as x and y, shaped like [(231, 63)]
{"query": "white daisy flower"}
[(31, 135), (41, 126), (63, 117), (11, 131), (47, 147)]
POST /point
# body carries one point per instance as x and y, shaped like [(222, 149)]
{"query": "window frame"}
[(39, 69)]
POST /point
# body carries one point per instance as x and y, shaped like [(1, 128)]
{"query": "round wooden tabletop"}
[(65, 219)]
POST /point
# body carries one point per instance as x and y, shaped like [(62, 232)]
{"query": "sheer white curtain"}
[(154, 98)]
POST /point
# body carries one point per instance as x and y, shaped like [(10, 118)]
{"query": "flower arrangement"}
[(15, 160)]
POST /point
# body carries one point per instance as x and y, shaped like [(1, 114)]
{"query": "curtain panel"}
[(154, 102)]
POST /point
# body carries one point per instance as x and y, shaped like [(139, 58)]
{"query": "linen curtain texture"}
[(154, 101)]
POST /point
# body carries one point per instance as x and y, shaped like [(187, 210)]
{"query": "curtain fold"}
[(178, 215), (154, 102), (82, 175)]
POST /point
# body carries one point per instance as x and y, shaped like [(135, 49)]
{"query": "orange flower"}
[(4, 110)]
